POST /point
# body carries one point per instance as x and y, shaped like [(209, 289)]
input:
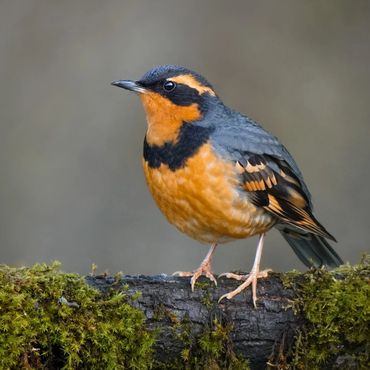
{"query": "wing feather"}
[(269, 174), (271, 185)]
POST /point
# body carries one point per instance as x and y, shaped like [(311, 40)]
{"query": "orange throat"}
[(165, 118)]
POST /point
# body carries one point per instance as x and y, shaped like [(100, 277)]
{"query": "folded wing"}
[(272, 185)]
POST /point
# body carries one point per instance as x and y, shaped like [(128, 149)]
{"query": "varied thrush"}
[(218, 176)]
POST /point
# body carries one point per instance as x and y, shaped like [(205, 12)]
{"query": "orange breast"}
[(202, 199)]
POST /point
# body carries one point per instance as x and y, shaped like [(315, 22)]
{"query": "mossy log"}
[(168, 303), (50, 320)]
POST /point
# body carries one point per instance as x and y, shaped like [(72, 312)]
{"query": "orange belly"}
[(203, 201)]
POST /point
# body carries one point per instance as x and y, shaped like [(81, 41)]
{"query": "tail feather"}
[(313, 250)]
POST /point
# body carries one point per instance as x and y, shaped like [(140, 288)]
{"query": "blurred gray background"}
[(72, 187)]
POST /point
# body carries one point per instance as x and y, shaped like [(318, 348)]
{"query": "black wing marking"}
[(272, 185)]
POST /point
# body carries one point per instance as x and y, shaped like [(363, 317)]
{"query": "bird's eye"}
[(169, 86)]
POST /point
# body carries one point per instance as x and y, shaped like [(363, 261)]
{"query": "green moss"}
[(215, 350), (162, 313), (50, 319), (336, 307), (204, 284), (210, 350)]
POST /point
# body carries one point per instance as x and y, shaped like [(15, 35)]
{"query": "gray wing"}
[(273, 181), (240, 137)]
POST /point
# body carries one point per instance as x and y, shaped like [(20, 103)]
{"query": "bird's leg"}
[(205, 268), (251, 278)]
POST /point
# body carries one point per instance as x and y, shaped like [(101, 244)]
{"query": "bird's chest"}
[(202, 199)]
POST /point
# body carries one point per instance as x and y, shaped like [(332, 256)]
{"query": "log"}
[(257, 334), (50, 319)]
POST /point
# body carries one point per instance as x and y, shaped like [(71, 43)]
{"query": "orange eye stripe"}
[(190, 81)]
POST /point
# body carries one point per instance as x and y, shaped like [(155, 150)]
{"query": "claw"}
[(204, 269), (231, 275), (183, 273), (195, 275), (250, 279)]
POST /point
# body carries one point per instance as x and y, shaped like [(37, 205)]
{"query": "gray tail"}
[(312, 250)]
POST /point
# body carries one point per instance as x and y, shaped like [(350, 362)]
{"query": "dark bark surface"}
[(256, 333)]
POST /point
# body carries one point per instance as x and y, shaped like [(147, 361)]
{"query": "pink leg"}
[(205, 268), (252, 278)]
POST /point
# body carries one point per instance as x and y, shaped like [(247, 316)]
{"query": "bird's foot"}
[(232, 275), (248, 280), (204, 269)]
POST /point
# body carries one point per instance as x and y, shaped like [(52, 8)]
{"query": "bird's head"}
[(172, 96)]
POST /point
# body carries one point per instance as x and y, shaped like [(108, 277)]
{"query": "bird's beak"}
[(129, 85)]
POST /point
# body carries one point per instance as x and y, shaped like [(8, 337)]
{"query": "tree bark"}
[(256, 335)]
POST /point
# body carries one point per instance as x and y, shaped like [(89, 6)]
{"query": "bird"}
[(218, 176)]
